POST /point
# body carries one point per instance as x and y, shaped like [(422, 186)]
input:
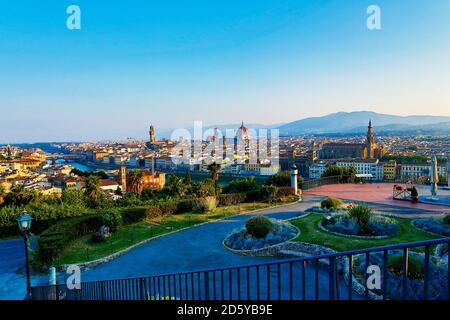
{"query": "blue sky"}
[(169, 63)]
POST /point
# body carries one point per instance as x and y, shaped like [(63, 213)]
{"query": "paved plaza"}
[(380, 193)]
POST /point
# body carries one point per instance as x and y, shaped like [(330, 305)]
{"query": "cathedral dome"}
[(243, 133)]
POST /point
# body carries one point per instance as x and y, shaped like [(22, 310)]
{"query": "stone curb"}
[(260, 252), (429, 232), (321, 227)]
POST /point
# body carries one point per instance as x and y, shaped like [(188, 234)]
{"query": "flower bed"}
[(241, 240), (433, 225), (342, 223), (415, 290)]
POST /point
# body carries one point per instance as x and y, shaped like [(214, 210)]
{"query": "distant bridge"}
[(62, 156)]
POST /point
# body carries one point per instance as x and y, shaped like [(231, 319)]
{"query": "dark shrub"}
[(280, 179), (55, 238), (231, 199), (269, 193), (134, 214), (446, 220), (362, 215), (168, 207), (204, 205), (101, 235), (416, 269), (258, 226), (254, 195), (112, 219), (283, 192), (242, 185), (184, 205), (329, 203), (97, 237), (153, 211)]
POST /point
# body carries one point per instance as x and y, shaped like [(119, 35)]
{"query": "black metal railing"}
[(336, 276), (310, 184)]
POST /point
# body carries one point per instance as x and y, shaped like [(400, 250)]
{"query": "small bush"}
[(241, 240), (231, 199), (329, 203), (362, 215), (112, 219), (168, 208), (185, 205), (204, 205), (283, 192), (98, 237), (446, 220), (434, 225), (258, 226), (416, 269), (133, 215), (153, 211)]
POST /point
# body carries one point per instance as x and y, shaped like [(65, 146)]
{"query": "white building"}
[(316, 170), (364, 167), (269, 169), (417, 171)]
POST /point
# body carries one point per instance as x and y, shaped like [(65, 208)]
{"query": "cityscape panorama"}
[(225, 158)]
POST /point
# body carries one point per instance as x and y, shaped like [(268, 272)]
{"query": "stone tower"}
[(152, 134), (224, 147), (370, 144)]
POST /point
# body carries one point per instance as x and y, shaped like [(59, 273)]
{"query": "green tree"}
[(93, 194), (242, 185), (72, 197), (134, 180), (176, 186), (214, 169), (269, 192), (19, 196), (205, 188), (282, 179), (346, 174)]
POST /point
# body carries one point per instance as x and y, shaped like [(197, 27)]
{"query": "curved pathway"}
[(193, 249)]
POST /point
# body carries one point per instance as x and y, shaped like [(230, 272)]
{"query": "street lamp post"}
[(24, 222)]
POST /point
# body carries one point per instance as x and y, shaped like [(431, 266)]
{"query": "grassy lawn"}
[(311, 233), (83, 249)]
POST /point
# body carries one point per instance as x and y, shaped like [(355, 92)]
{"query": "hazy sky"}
[(220, 61)]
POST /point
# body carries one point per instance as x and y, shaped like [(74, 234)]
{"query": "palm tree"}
[(134, 180), (214, 169), (92, 189)]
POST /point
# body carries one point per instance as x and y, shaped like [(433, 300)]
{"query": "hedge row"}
[(38, 227), (53, 240)]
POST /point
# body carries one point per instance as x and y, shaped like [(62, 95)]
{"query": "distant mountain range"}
[(347, 123), (356, 122)]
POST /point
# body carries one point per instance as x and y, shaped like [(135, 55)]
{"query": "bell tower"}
[(123, 178), (152, 134), (370, 141)]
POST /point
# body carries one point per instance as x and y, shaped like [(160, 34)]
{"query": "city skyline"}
[(172, 64)]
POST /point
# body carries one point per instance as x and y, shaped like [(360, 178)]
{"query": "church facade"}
[(367, 150)]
